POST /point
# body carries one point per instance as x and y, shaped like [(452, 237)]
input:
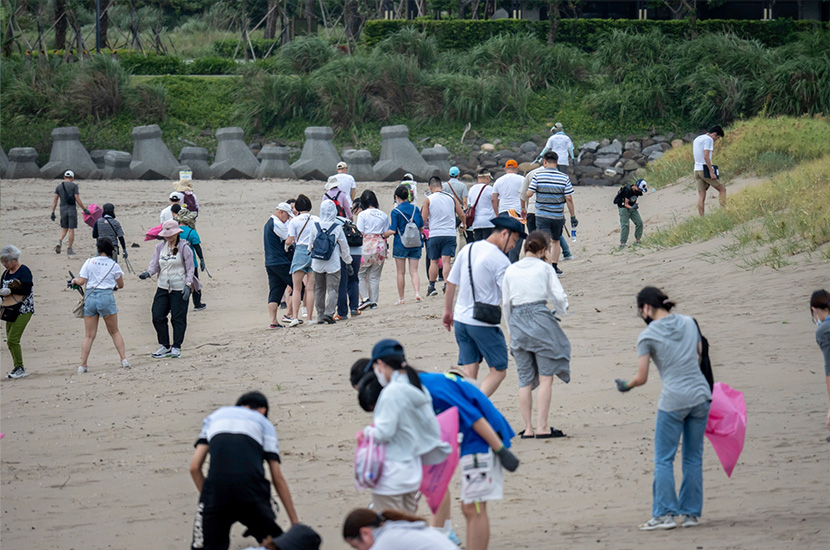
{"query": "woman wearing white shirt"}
[(374, 224), (537, 342), (299, 234), (100, 275), (481, 199)]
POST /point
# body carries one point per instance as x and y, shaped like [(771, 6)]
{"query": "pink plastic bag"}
[(368, 462), (153, 233), (95, 213), (437, 476), (726, 428)]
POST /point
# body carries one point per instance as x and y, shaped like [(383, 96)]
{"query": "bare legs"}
[(478, 525), (701, 198), (400, 266), (298, 277), (91, 330), (490, 383)]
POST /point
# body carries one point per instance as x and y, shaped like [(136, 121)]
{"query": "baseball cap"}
[(341, 165), (176, 196), (454, 171), (557, 127), (285, 207), (69, 174), (387, 347), (511, 164), (642, 185), (408, 177)]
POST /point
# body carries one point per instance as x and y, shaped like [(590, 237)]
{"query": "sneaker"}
[(58, 248), (622, 245), (558, 271), (418, 298), (295, 323), (17, 372), (283, 305), (568, 258), (444, 290), (689, 521), (363, 305), (70, 252), (304, 312), (328, 319), (338, 318), (125, 363), (82, 370), (354, 313), (175, 353), (200, 307), (161, 353), (431, 291), (286, 319), (373, 306), (663, 522)]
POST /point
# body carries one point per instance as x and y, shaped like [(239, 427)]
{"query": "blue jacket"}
[(274, 246)]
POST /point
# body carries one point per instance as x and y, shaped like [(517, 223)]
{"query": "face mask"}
[(381, 378), (647, 320)]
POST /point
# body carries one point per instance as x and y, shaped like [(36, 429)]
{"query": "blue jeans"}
[(348, 295), (563, 242), (690, 424)]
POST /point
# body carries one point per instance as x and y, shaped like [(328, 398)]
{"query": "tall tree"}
[(554, 17), (60, 24), (271, 19)]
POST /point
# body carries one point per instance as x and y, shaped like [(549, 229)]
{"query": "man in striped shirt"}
[(553, 191)]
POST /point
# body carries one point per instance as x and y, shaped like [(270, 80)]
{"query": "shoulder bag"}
[(486, 313), (10, 310), (471, 213)]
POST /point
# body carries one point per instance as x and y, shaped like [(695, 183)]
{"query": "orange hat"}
[(511, 164)]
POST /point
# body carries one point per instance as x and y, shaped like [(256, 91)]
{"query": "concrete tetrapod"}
[(117, 165), (398, 156), (68, 154), (152, 160), (22, 163), (196, 158), (234, 160), (4, 162), (319, 158), (273, 163), (438, 156), (360, 164)]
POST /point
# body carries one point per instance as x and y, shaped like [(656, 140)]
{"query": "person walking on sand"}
[(537, 342), (18, 305), (506, 199), (347, 182), (109, 228), (478, 274), (820, 310), (173, 262), (481, 197), (629, 209), (342, 201), (439, 212), (673, 342), (348, 296), (167, 214), (67, 193), (100, 276), (239, 439), (529, 213), (299, 235), (561, 144), (277, 258), (706, 174), (192, 237), (553, 191), (328, 233), (404, 215), (374, 224)]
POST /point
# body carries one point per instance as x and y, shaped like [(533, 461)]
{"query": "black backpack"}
[(619, 199), (353, 235), (323, 246)]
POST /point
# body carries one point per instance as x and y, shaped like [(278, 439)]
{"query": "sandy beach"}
[(100, 460)]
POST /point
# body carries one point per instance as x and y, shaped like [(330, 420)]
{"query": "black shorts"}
[(69, 217), (278, 280), (212, 525), (552, 225)]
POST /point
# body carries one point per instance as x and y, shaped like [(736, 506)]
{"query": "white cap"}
[(341, 165), (408, 177), (69, 174), (176, 195), (285, 207)]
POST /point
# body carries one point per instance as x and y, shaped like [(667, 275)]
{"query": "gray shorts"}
[(529, 366), (69, 217)]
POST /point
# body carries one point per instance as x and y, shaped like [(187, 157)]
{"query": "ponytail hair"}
[(820, 299), (363, 517), (538, 241), (398, 362), (654, 297)]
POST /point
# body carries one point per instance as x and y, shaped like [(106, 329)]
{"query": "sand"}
[(100, 460)]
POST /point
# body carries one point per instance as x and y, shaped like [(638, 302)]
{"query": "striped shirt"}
[(551, 187)]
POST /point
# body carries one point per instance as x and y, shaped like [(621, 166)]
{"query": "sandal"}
[(523, 436), (553, 433), (418, 298), (400, 302)]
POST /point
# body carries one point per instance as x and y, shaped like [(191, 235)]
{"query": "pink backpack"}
[(368, 462)]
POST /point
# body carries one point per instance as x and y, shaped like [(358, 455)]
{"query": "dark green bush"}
[(227, 48), (150, 64), (210, 66)]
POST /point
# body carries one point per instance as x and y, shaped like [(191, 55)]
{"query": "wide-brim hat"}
[(170, 228), (511, 223), (183, 185), (332, 182)]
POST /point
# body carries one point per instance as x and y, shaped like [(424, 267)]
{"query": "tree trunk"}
[(60, 24), (105, 25), (352, 19), (271, 20), (554, 17), (309, 14)]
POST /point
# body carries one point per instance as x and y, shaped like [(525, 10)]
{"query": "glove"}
[(186, 293), (350, 270), (5, 291), (508, 459), (622, 385), (635, 206), (125, 254), (574, 222), (202, 265), (86, 211), (52, 217), (144, 275)]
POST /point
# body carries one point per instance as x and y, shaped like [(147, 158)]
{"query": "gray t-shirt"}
[(67, 190), (823, 341), (672, 343), (458, 186)]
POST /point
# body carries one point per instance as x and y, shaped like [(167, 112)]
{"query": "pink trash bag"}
[(368, 462), (95, 213), (437, 476), (726, 428), (153, 233)]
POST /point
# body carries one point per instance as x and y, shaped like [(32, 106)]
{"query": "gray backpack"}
[(411, 237)]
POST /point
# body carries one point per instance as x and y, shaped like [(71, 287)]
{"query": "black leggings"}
[(170, 303)]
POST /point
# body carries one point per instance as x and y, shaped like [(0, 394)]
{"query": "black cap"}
[(511, 223)]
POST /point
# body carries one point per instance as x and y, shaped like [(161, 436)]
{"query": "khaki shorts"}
[(704, 183), (407, 502)]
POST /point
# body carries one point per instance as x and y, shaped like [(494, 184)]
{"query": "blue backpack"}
[(323, 246)]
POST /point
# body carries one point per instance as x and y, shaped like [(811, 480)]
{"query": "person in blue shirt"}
[(403, 213), (192, 237)]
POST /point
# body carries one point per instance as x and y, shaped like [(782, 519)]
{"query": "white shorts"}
[(481, 478)]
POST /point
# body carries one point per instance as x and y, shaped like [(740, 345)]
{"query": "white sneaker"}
[(17, 372), (82, 370), (688, 521), (125, 363), (295, 323), (663, 522), (175, 353), (161, 353)]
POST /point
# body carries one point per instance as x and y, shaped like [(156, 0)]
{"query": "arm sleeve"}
[(84, 272), (123, 243), (119, 231), (644, 346), (532, 186), (393, 217), (386, 420), (386, 226), (95, 231), (361, 222), (187, 256), (198, 248)]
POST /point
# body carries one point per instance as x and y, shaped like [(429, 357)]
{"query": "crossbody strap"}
[(470, 267), (479, 197), (102, 278), (454, 194)]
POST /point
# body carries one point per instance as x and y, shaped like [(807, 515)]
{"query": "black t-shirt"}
[(631, 195), (67, 191)]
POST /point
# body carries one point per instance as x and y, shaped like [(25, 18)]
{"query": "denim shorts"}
[(441, 246), (301, 260), (400, 251), (475, 343), (99, 302)]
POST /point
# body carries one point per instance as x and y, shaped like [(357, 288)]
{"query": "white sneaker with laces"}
[(689, 521), (125, 363), (17, 372), (175, 353), (295, 323), (82, 370), (161, 352), (662, 522)]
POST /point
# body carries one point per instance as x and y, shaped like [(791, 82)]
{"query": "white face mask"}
[(382, 380)]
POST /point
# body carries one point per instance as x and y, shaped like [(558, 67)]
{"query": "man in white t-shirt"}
[(561, 144), (479, 339), (507, 199), (481, 200), (439, 211), (347, 183), (167, 214), (705, 174)]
